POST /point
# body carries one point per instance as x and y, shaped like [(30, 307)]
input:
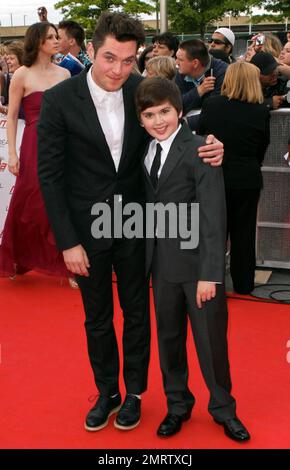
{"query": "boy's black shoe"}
[(172, 423), (235, 429)]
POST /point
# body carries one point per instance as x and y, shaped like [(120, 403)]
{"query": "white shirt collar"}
[(99, 94), (166, 144)]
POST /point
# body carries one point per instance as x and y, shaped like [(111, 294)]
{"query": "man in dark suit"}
[(187, 279), (90, 148)]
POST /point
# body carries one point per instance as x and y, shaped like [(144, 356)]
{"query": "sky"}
[(22, 12), (26, 11)]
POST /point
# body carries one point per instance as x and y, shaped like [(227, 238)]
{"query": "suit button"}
[(108, 200)]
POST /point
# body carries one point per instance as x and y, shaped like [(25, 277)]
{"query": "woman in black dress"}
[(241, 121)]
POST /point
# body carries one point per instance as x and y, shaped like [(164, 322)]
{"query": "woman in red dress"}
[(27, 242)]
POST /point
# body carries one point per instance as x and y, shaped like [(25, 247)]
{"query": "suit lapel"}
[(129, 117), (144, 166), (91, 119), (176, 151)]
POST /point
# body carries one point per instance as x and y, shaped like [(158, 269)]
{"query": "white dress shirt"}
[(110, 109), (165, 145)]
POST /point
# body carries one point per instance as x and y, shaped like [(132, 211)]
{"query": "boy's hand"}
[(205, 291), (212, 152)]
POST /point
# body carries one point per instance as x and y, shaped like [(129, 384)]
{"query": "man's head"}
[(115, 43), (285, 54), (71, 37), (42, 13), (268, 68), (165, 44), (224, 39), (192, 57), (159, 106)]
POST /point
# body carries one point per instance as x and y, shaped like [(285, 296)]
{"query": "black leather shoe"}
[(98, 416), (235, 429), (129, 414), (172, 424)]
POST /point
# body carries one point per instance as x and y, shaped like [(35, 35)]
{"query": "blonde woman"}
[(240, 119), (28, 242), (161, 66)]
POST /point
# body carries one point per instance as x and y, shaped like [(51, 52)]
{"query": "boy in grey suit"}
[(188, 280)]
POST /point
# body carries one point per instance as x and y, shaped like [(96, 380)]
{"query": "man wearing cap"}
[(274, 87), (223, 39)]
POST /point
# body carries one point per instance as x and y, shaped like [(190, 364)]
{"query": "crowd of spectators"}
[(204, 75)]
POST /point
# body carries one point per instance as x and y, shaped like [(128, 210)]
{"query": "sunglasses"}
[(216, 41)]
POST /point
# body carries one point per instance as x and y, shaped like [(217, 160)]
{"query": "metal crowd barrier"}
[(273, 222)]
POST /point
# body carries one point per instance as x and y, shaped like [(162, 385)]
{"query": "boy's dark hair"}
[(35, 35), (119, 25), (73, 30), (196, 49), (155, 91), (169, 39)]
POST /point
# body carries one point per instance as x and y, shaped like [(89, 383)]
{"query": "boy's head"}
[(159, 106)]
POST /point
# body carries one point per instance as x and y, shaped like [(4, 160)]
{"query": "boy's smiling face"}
[(160, 121)]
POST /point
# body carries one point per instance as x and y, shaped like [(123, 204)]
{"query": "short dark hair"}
[(73, 30), (196, 49), (35, 35), (119, 25), (142, 59), (155, 91), (169, 39)]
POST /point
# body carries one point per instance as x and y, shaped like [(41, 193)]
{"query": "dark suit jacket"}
[(75, 165), (190, 96), (244, 130), (186, 179)]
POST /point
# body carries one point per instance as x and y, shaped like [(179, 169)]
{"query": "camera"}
[(260, 40)]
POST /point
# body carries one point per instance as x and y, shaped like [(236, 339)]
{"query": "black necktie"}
[(155, 166)]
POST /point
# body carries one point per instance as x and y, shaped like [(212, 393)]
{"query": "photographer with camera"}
[(42, 14)]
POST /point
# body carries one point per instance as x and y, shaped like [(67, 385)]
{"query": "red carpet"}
[(46, 379)]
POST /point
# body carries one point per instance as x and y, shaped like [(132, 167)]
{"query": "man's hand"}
[(206, 86), (213, 152), (76, 260), (205, 291), (277, 101)]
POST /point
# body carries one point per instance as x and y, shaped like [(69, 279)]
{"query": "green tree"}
[(195, 15), (86, 12), (277, 10)]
